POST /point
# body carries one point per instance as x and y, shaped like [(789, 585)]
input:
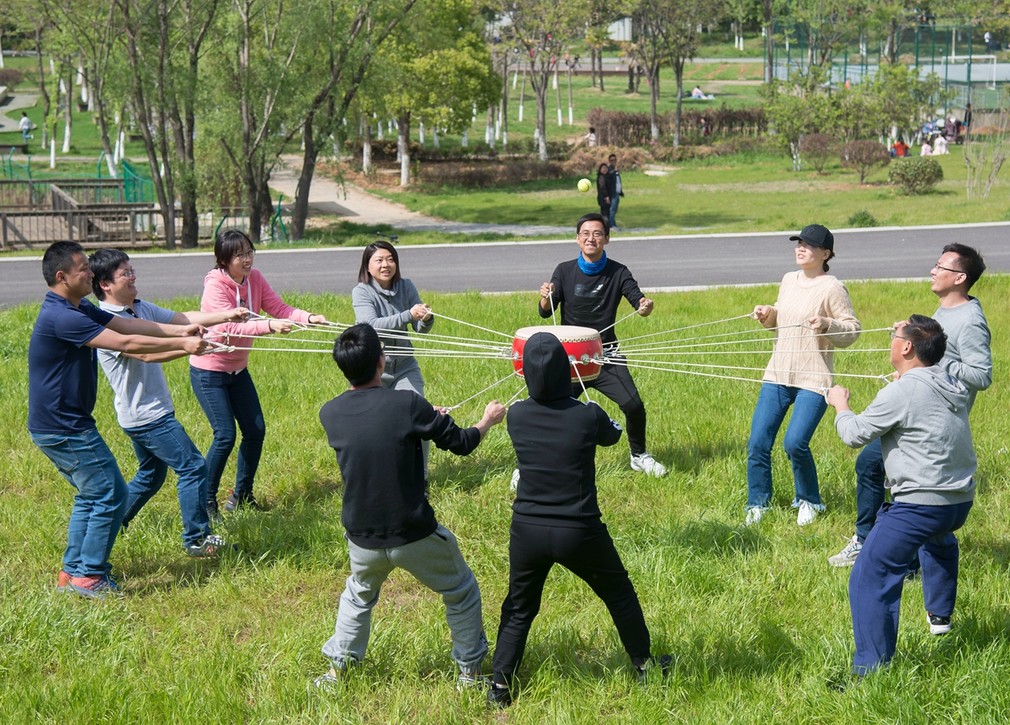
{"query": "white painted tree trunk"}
[(420, 133), (52, 153), (465, 140)]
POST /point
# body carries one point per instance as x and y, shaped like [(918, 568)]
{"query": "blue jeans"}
[(772, 405), (879, 574), (160, 445), (87, 463), (225, 399), (614, 203), (870, 478), (436, 562)]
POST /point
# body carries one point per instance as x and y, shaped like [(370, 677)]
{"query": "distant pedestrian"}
[(25, 124), (615, 200), (604, 189)]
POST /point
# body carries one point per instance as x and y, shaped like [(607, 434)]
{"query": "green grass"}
[(756, 619), (739, 193)]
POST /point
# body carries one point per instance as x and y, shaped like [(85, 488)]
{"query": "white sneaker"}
[(754, 514), (806, 514), (648, 465), (514, 485), (847, 556)]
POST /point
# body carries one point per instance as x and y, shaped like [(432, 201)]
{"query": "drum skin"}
[(583, 345)]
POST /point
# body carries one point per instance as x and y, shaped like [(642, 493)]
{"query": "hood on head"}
[(546, 368)]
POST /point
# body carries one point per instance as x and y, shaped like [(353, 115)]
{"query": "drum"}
[(583, 345)]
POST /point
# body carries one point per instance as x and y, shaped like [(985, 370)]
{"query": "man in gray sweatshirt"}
[(921, 420), (968, 358)]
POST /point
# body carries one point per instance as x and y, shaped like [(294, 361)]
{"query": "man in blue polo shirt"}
[(144, 404), (62, 383)]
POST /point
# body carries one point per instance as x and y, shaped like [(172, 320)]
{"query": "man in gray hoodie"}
[(921, 420)]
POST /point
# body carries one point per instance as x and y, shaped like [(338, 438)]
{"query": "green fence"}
[(137, 187)]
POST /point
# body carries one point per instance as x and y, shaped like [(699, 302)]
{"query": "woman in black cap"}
[(812, 316)]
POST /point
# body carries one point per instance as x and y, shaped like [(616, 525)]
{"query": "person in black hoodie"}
[(556, 518), (377, 433)]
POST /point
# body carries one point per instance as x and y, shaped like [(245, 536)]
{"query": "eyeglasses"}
[(248, 254), (592, 235), (894, 334), (948, 269), (128, 273)]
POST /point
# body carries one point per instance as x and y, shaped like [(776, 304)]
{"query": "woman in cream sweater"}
[(812, 316)]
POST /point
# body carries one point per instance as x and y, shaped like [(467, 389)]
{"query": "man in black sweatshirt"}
[(589, 290), (556, 517), (377, 433)]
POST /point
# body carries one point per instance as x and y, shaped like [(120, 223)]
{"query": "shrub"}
[(863, 156), (817, 148), (915, 175), (862, 218), (489, 174), (10, 77)]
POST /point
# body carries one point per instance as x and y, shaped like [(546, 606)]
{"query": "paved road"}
[(659, 263)]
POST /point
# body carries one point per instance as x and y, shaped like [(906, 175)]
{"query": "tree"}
[(543, 28), (349, 42), (164, 42)]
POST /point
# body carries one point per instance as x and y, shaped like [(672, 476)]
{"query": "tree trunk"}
[(403, 147), (654, 102), (68, 111), (678, 70), (310, 154), (366, 149)]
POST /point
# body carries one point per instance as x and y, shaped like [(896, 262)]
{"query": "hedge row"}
[(623, 128)]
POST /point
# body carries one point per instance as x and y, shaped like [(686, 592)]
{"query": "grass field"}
[(740, 193), (757, 621)]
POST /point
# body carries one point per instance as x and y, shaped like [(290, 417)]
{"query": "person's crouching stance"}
[(377, 433), (922, 422)]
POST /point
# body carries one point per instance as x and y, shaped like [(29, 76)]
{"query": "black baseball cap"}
[(816, 236)]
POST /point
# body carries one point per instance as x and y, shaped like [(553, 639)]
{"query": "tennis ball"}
[(585, 184)]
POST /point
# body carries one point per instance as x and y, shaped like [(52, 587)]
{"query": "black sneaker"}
[(234, 503), (938, 625), (498, 696), (210, 546), (663, 662), (213, 512)]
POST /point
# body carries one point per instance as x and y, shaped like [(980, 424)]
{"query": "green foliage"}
[(862, 218), (915, 175), (818, 149)]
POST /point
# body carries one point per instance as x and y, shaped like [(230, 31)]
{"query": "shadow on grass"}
[(714, 537), (691, 459)]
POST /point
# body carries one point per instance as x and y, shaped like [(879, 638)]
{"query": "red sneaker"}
[(62, 581)]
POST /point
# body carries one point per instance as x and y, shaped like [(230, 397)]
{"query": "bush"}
[(10, 77), (489, 174), (862, 218), (863, 156), (915, 175), (817, 148)]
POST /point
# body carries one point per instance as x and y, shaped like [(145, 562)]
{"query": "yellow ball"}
[(585, 184)]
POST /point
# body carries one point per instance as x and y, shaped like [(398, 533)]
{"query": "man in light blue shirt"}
[(144, 404)]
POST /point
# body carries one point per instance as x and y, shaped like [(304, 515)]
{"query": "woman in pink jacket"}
[(221, 381)]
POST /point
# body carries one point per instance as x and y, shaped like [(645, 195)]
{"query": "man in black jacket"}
[(377, 433), (589, 290), (556, 517)]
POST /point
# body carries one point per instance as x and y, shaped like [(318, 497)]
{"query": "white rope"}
[(515, 397), (689, 327), (581, 382), (614, 324), (550, 298), (475, 395), (661, 346), (678, 366), (470, 324), (754, 352)]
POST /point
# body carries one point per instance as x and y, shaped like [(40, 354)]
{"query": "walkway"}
[(356, 205)]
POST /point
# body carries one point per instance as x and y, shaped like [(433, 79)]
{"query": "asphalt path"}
[(659, 263)]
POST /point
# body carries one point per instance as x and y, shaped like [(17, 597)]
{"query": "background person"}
[(556, 518), (221, 382), (921, 420), (604, 189), (812, 316), (618, 186), (376, 433), (62, 388), (589, 290), (967, 356), (144, 404)]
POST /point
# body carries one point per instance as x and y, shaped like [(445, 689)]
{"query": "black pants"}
[(588, 553), (615, 382)]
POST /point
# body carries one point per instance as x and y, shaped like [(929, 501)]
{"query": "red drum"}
[(583, 345)]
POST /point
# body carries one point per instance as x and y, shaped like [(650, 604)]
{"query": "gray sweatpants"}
[(436, 562)]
